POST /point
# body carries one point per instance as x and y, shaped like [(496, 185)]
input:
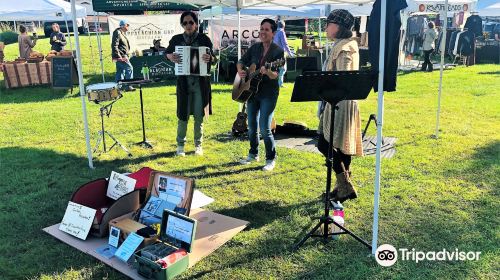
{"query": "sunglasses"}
[(187, 22)]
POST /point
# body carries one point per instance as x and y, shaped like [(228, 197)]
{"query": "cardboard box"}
[(177, 235), (126, 224)]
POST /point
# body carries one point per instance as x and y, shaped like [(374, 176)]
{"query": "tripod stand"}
[(144, 143), (106, 110), (331, 87)]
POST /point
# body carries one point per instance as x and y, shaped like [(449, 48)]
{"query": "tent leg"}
[(82, 87), (99, 44), (441, 68), (380, 118)]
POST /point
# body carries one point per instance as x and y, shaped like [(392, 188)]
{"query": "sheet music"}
[(191, 61)]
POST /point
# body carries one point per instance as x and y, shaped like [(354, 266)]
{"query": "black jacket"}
[(254, 56), (120, 46), (182, 87)]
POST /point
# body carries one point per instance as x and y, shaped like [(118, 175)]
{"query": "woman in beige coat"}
[(347, 124)]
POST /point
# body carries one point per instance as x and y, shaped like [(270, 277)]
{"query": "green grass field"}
[(435, 194)]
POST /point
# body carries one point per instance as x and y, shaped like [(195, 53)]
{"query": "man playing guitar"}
[(260, 107)]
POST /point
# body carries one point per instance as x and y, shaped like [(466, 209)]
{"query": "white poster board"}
[(77, 220), (225, 32), (119, 185), (144, 29)]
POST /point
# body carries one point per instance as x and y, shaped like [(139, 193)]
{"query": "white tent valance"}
[(30, 10), (301, 12), (438, 6)]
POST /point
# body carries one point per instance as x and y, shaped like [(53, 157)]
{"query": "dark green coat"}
[(182, 91)]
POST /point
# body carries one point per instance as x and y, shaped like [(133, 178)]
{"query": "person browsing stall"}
[(194, 93), (430, 36), (57, 39), (120, 48), (260, 107), (280, 40), (347, 124), (26, 43)]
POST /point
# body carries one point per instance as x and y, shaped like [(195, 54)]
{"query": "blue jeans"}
[(124, 70), (260, 111), (281, 75)]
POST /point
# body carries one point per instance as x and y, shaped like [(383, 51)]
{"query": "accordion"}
[(191, 61)]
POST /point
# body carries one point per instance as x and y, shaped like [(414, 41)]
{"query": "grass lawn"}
[(435, 194)]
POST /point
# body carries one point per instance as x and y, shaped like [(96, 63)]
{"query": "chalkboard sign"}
[(64, 73)]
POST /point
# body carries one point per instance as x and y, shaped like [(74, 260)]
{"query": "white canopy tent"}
[(38, 10), (32, 10), (242, 4), (356, 10), (488, 8), (300, 12)]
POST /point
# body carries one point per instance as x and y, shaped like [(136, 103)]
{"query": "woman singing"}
[(260, 107), (194, 93), (347, 124)]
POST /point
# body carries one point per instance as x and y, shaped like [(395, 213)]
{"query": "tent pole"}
[(380, 121), (320, 43), (82, 87), (99, 46), (67, 29), (443, 44), (239, 32)]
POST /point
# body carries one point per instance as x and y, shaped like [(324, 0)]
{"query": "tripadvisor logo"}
[(387, 255)]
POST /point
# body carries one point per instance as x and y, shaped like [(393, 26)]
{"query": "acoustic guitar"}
[(245, 88), (240, 125)]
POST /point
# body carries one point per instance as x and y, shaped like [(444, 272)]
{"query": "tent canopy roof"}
[(300, 12), (38, 10), (276, 3)]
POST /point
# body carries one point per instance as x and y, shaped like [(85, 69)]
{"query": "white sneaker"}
[(180, 151), (270, 164), (250, 158), (198, 150)]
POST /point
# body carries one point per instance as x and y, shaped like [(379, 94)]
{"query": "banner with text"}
[(144, 29)]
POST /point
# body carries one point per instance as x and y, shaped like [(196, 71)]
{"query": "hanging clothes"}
[(452, 41), (474, 23), (392, 25), (465, 43)]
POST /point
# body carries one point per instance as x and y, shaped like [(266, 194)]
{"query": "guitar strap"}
[(266, 56)]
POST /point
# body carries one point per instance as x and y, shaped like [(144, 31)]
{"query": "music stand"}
[(331, 87), (106, 110), (144, 143)]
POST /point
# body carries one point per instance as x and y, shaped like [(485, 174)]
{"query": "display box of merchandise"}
[(165, 191), (169, 256)]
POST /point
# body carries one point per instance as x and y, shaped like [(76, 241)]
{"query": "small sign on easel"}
[(77, 220), (119, 185)]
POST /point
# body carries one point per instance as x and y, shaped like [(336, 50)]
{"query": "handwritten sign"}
[(77, 220), (119, 185), (64, 72)]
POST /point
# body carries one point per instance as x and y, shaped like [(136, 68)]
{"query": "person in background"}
[(26, 43), (281, 41), (194, 93), (57, 39), (120, 48), (157, 47), (430, 36), (260, 107), (347, 141)]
